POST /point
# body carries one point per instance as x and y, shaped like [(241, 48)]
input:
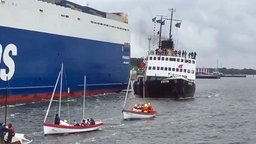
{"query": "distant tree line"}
[(136, 61), (236, 71)]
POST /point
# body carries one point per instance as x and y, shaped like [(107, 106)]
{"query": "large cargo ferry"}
[(36, 37)]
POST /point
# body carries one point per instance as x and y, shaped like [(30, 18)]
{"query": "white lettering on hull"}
[(6, 59)]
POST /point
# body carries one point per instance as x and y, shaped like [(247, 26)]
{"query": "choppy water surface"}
[(223, 111)]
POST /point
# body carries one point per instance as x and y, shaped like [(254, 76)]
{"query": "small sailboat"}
[(18, 138), (138, 111), (64, 127)]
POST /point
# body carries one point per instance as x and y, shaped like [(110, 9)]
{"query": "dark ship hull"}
[(168, 88)]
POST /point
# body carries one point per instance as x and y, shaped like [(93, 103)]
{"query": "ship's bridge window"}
[(154, 58), (162, 58), (193, 62), (162, 68), (182, 60), (192, 71), (170, 69), (158, 68), (178, 60), (180, 70), (185, 70), (177, 69), (149, 67), (158, 58), (172, 59), (166, 59), (173, 69), (154, 68), (188, 71), (150, 58), (165, 68)]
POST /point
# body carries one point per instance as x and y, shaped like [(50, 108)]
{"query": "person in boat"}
[(88, 121), (145, 110), (150, 108), (142, 108), (11, 133), (137, 108), (57, 119), (3, 131), (92, 121), (83, 123), (76, 123)]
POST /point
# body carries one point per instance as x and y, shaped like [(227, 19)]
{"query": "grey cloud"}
[(217, 30)]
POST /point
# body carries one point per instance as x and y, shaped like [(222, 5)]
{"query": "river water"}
[(223, 111)]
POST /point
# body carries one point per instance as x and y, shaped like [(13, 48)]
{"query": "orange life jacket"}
[(145, 109)]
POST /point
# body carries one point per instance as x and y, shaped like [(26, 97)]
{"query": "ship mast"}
[(170, 34), (160, 31), (162, 22)]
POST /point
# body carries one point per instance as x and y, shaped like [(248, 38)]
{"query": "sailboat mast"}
[(170, 34), (127, 89), (60, 88), (84, 97), (144, 92)]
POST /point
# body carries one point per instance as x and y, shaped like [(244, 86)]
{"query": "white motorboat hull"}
[(129, 114), (50, 128)]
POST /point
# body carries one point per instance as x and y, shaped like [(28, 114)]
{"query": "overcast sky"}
[(222, 32)]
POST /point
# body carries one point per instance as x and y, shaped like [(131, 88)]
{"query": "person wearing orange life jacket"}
[(150, 108), (145, 108)]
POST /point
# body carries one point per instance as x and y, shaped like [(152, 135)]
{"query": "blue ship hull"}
[(39, 58)]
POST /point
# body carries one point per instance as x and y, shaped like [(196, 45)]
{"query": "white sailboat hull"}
[(50, 128), (128, 114)]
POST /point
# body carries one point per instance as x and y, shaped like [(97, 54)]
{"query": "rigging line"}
[(56, 84)]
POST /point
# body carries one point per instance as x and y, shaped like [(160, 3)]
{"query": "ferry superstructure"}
[(36, 37)]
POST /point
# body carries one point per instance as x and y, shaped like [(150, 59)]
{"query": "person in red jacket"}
[(11, 133)]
